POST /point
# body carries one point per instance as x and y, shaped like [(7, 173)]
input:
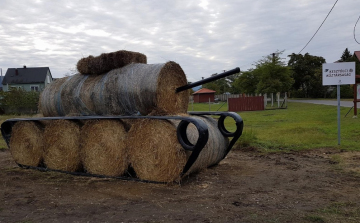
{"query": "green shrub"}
[(17, 101)]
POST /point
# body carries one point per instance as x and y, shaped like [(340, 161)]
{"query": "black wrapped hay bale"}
[(214, 150), (155, 153), (133, 89)]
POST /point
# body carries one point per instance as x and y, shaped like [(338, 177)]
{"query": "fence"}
[(225, 97), (254, 103), (248, 102), (280, 98)]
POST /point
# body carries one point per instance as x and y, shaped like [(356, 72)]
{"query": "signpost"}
[(338, 74)]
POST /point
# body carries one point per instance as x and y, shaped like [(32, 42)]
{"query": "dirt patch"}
[(313, 186)]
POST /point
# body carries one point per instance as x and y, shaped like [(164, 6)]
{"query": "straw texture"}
[(155, 153), (61, 145), (134, 89), (109, 61), (26, 143), (103, 147)]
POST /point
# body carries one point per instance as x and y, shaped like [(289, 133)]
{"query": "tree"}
[(246, 82), (71, 71), (222, 85), (346, 56), (307, 73), (272, 74), (346, 91), (269, 76)]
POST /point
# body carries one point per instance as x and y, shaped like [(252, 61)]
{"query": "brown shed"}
[(203, 95)]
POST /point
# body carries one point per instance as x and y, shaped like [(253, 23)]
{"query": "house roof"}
[(204, 91), (25, 75), (357, 54)]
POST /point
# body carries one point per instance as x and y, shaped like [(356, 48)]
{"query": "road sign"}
[(338, 73)]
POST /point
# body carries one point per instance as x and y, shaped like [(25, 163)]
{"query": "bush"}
[(346, 91), (17, 101)]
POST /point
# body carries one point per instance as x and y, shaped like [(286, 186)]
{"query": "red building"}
[(203, 95)]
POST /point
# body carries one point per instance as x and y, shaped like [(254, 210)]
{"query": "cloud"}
[(204, 37)]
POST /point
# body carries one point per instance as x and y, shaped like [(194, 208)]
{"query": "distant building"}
[(196, 88), (204, 95), (27, 78), (1, 79)]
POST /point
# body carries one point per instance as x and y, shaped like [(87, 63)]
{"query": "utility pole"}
[(273, 58)]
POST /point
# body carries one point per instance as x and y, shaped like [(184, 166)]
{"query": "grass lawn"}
[(300, 126)]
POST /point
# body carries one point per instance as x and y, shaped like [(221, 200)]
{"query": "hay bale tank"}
[(129, 122)]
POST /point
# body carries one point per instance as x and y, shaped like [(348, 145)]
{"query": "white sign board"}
[(338, 73), (358, 91)]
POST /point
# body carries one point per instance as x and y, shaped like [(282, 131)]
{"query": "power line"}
[(319, 26), (354, 30)]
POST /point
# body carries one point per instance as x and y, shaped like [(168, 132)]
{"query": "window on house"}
[(34, 88)]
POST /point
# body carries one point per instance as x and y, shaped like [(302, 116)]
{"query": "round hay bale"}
[(103, 148), (61, 145), (109, 61), (154, 152), (26, 143), (134, 89), (167, 100), (50, 101), (215, 148)]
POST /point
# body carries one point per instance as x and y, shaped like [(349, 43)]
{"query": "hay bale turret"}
[(134, 89)]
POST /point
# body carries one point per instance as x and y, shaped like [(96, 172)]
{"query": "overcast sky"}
[(204, 37)]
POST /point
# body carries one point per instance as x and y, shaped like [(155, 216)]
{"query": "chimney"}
[(24, 66)]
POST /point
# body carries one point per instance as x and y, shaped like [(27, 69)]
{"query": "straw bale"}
[(26, 143), (168, 101), (109, 61), (82, 65), (134, 89), (72, 104), (154, 152), (50, 98), (85, 93), (103, 148), (62, 145), (215, 148)]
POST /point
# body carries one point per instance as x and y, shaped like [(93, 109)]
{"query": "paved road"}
[(328, 102)]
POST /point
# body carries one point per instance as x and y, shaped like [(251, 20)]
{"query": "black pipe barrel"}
[(207, 80)]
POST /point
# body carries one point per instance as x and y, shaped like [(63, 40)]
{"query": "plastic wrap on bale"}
[(136, 89)]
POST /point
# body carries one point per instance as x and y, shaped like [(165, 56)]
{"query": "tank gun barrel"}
[(207, 80)]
